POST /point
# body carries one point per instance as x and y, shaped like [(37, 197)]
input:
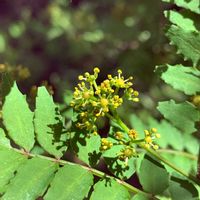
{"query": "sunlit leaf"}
[(31, 180), (192, 5), (70, 182), (153, 176), (18, 119), (109, 189), (182, 115), (187, 42), (48, 124)]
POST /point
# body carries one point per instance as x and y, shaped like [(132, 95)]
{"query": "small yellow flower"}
[(104, 102), (146, 132), (95, 133), (96, 70), (118, 135), (157, 135), (109, 76), (154, 130), (83, 114), (120, 83), (80, 77), (156, 147), (105, 144), (86, 95), (87, 74), (98, 92), (94, 103), (148, 139), (127, 153), (119, 71), (136, 93), (136, 100), (132, 133)]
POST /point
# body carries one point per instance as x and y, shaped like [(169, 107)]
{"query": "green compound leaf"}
[(185, 79), (182, 189), (48, 124), (187, 42), (31, 180), (180, 20), (70, 182), (9, 163), (182, 115), (4, 141), (192, 5), (109, 190), (119, 167), (18, 119), (153, 176)]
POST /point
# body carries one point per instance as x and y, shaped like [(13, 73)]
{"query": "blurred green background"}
[(58, 40)]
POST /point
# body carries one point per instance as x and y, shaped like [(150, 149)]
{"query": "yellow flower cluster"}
[(150, 136), (105, 144), (127, 153), (92, 100)]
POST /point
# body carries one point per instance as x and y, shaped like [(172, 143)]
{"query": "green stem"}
[(137, 141), (180, 153), (156, 155), (95, 172), (96, 87), (120, 122)]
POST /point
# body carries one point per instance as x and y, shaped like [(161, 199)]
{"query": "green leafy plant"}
[(33, 141)]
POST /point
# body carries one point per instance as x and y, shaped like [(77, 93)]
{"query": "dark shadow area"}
[(79, 139)]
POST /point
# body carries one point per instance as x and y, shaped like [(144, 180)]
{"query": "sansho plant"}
[(32, 144)]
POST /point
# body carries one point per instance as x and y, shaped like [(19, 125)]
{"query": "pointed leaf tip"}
[(18, 119)]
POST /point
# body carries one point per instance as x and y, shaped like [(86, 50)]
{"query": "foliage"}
[(63, 38), (34, 138)]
